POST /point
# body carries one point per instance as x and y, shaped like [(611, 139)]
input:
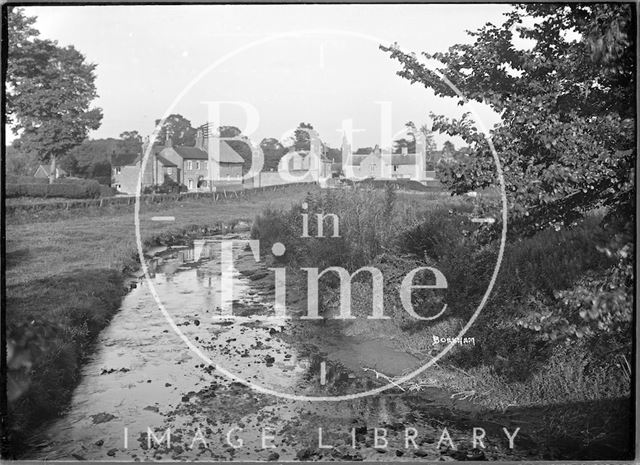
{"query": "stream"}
[(143, 378)]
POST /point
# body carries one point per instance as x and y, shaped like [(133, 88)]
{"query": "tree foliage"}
[(273, 151), (92, 158), (566, 140), (18, 163), (302, 139), (179, 130), (49, 91)]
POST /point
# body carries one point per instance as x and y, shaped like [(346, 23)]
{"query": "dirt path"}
[(143, 378)]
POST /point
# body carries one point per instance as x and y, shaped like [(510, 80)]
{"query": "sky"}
[(285, 64)]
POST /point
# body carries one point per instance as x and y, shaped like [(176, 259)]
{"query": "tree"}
[(179, 129), (229, 131), (131, 142), (448, 148), (566, 140), (49, 92), (92, 158), (273, 151), (567, 136), (408, 142), (18, 163), (427, 133), (132, 137), (302, 139)]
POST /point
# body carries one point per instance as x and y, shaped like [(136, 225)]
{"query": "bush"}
[(168, 187), (104, 180), (107, 191)]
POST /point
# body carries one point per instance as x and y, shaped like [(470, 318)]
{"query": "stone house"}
[(125, 169), (383, 164), (124, 172), (313, 162), (212, 162)]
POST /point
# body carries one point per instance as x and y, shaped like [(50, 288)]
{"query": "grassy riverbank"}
[(65, 280), (513, 365)]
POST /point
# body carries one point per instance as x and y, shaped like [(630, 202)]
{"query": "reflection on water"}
[(142, 370)]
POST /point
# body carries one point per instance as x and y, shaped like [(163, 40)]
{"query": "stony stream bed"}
[(143, 378)]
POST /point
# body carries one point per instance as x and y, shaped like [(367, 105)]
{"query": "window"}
[(169, 171), (204, 165), (373, 168), (197, 165), (190, 182), (395, 167), (118, 170), (189, 165)]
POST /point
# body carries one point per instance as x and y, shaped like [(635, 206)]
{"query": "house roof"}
[(47, 170), (123, 159), (164, 161), (190, 153), (155, 149), (227, 154)]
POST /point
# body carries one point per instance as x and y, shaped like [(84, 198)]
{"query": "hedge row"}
[(15, 179), (76, 190)]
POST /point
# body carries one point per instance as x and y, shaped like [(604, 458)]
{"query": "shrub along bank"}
[(515, 361)]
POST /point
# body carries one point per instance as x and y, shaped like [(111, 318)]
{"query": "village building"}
[(383, 164), (307, 165), (208, 165), (125, 170)]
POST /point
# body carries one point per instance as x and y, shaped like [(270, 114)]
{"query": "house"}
[(212, 162), (125, 170), (211, 159), (383, 164), (307, 165), (44, 171)]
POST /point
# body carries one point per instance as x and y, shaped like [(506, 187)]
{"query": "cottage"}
[(198, 170), (382, 164), (125, 170), (307, 165), (212, 162), (195, 167)]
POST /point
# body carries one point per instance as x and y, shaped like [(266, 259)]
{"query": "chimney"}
[(168, 142), (405, 151)]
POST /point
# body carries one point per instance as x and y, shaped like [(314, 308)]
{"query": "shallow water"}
[(143, 377)]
